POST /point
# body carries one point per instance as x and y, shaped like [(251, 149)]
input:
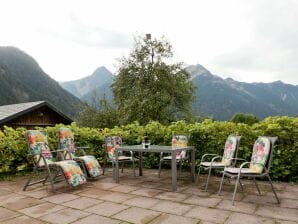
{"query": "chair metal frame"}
[(47, 167), (168, 159), (265, 172), (121, 159), (77, 158), (214, 164)]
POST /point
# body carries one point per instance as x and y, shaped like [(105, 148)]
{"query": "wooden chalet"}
[(31, 114)]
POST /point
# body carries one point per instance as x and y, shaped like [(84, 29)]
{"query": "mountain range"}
[(22, 80), (214, 97)]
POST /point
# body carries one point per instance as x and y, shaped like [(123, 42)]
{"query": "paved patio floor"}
[(146, 199)]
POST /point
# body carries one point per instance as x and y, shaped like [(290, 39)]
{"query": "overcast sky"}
[(248, 40)]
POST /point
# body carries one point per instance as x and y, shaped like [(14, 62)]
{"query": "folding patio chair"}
[(111, 145), (259, 166), (230, 151), (88, 163), (43, 160), (177, 141)]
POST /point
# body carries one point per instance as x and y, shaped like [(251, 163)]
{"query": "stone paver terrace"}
[(146, 199)]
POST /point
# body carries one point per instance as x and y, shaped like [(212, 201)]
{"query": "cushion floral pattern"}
[(230, 148), (179, 141), (112, 143), (38, 146), (66, 141), (260, 154)]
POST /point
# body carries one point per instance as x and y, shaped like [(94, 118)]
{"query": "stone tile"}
[(173, 219), (173, 196), (260, 199), (7, 214), (284, 222), (82, 203), (10, 198), (291, 187), (196, 191), (203, 201), (238, 206), (175, 208), (106, 208), (278, 213), (22, 203), (124, 188), (137, 215), (208, 214), (63, 216), (146, 192), (95, 219), (60, 198), (228, 195), (143, 202), (117, 197), (41, 209), (286, 194), (105, 185), (236, 218), (95, 193), (37, 194), (23, 220), (289, 203)]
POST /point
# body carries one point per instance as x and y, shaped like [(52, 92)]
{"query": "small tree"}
[(249, 119), (148, 87), (100, 115)]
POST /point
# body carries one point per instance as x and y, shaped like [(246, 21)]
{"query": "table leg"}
[(141, 164), (174, 171), (116, 167), (192, 165)]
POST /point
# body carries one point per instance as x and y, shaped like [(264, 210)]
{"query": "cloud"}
[(91, 36), (272, 49)]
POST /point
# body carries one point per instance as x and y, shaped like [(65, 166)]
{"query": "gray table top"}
[(154, 148)]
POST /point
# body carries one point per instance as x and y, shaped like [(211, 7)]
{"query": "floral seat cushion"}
[(179, 141), (229, 152), (66, 141), (38, 146)]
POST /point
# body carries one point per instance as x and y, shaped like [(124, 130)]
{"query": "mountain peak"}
[(196, 70)]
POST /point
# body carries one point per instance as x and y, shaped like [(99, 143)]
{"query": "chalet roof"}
[(9, 112)]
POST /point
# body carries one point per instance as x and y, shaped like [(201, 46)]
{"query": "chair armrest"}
[(215, 157), (82, 149), (205, 155)]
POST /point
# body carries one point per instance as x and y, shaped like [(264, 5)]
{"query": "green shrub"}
[(208, 137)]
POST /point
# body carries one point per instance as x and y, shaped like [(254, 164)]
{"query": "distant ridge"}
[(22, 80), (215, 97)]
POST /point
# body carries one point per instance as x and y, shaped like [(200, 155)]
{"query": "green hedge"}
[(208, 137)]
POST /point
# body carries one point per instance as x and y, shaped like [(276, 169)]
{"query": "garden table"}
[(158, 149)]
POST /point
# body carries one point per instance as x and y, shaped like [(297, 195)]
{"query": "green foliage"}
[(249, 119), (100, 115), (149, 88), (208, 137)]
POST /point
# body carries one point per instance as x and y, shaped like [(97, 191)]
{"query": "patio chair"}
[(230, 151), (177, 141), (110, 146), (43, 161), (88, 163), (259, 166)]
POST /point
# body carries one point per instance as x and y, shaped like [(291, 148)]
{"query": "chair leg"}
[(114, 171), (222, 179), (159, 168), (133, 167), (235, 190), (254, 179), (273, 189), (180, 168), (207, 182), (241, 185), (197, 179), (122, 167)]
